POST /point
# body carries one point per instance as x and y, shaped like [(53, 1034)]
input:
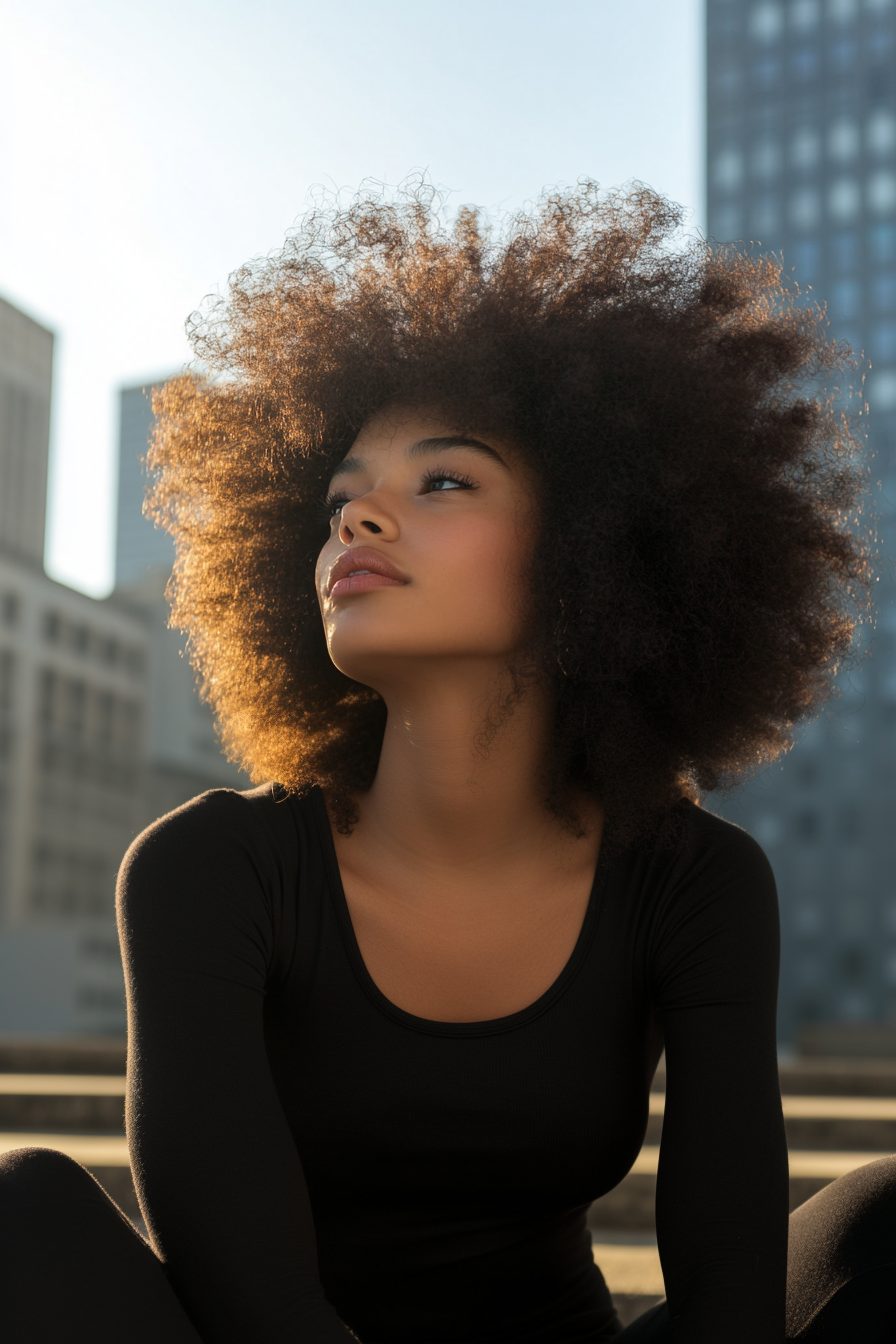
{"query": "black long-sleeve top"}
[(310, 1157)]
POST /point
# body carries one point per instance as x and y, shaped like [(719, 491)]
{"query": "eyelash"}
[(329, 502)]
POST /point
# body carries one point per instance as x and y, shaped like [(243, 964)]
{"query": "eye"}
[(456, 477), (433, 478), (330, 503)]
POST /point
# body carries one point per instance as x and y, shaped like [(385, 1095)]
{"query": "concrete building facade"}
[(101, 728), (73, 711), (801, 161)]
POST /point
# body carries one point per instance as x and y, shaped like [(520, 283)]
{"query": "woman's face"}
[(452, 521)]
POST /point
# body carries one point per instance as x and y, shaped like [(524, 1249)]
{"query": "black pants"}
[(73, 1268)]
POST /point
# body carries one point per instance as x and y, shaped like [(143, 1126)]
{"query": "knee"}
[(40, 1174), (852, 1221)]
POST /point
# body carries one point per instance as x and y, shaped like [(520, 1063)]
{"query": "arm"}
[(722, 1187), (216, 1170)]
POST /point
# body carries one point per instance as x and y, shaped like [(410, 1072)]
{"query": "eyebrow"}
[(427, 448)]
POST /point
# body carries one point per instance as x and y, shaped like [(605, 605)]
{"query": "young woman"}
[(495, 551)]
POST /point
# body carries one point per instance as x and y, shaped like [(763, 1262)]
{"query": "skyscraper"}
[(139, 546), (26, 375), (801, 161)]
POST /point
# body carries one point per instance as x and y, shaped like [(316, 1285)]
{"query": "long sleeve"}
[(722, 1189), (216, 1168)]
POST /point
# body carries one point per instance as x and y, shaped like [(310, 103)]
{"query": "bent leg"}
[(841, 1266), (72, 1266)]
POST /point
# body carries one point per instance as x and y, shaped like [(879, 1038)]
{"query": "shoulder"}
[(715, 901), (223, 846), (217, 818), (711, 845)]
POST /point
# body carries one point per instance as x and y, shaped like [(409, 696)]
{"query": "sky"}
[(147, 151)]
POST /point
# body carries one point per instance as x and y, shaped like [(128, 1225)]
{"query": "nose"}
[(346, 533), (362, 516)]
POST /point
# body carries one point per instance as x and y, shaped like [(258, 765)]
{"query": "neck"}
[(443, 802)]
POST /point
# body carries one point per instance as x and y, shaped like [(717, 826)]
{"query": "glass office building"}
[(801, 161)]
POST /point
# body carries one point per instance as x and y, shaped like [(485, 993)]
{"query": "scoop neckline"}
[(433, 1026)]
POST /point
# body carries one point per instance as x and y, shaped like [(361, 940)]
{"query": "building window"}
[(727, 80), (131, 722), (105, 714), (846, 299), (767, 73), (7, 675), (804, 15), (766, 215), (80, 638), (75, 704), (881, 42), (807, 826), (805, 63), (135, 661), (853, 337), (766, 22), (843, 54), (804, 208), (768, 830), (843, 139), (724, 24), (726, 223), (807, 920), (845, 251), (843, 198), (882, 192), (805, 147), (853, 965), (728, 169), (46, 697), (807, 258), (108, 651), (766, 159), (882, 390), (883, 242), (9, 609), (882, 132), (52, 625), (883, 341), (842, 11), (883, 292)]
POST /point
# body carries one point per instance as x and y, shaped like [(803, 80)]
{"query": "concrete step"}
[(63, 1101), (70, 1095), (96, 1102), (819, 1122), (63, 1054), (629, 1207), (633, 1275), (107, 1055)]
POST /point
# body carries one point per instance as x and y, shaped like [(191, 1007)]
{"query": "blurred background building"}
[(801, 161), (101, 729)]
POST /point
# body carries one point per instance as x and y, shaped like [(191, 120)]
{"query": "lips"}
[(364, 557)]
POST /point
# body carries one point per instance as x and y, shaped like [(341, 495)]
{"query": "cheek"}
[(482, 566)]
